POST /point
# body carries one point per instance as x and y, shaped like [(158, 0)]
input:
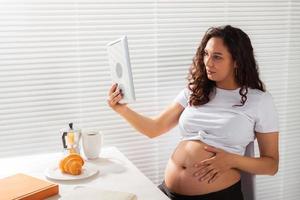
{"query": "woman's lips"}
[(210, 72)]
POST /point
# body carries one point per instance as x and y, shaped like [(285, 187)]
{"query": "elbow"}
[(274, 168), (148, 133), (274, 171), (152, 134), (154, 130)]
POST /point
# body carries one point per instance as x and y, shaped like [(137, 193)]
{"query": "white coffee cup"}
[(91, 143)]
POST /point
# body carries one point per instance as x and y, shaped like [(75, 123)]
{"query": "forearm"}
[(144, 125), (260, 165)]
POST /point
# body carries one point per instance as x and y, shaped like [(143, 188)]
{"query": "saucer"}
[(54, 172)]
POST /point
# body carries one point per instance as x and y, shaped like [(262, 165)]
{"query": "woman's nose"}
[(208, 62)]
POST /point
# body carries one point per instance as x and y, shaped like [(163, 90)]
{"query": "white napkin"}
[(89, 193)]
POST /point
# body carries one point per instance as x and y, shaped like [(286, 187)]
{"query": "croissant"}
[(72, 164)]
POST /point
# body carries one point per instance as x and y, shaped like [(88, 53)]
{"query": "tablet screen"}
[(120, 68)]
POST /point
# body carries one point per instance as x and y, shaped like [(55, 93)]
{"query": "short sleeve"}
[(267, 119), (183, 97)]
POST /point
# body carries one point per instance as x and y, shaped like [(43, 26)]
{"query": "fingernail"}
[(196, 174), (196, 165)]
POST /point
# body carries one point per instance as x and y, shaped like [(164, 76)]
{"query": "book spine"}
[(42, 194)]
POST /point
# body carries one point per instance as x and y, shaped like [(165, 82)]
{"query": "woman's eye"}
[(217, 57)]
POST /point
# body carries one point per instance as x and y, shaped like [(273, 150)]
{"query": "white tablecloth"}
[(116, 172)]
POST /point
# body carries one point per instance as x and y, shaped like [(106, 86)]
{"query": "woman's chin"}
[(212, 78)]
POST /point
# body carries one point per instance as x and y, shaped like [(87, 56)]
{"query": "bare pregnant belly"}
[(179, 172)]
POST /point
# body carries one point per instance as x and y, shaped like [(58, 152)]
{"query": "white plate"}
[(54, 172)]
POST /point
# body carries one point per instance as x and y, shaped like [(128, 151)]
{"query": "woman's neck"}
[(227, 86)]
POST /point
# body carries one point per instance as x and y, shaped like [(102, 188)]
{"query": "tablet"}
[(120, 68)]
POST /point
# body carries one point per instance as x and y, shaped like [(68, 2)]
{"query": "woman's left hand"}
[(212, 168)]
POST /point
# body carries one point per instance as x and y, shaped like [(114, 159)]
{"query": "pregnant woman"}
[(223, 108)]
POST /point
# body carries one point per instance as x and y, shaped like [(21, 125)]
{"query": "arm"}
[(151, 127), (267, 162)]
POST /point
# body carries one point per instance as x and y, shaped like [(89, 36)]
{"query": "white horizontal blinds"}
[(180, 27), (98, 23), (54, 70), (292, 140), (266, 22), (39, 75)]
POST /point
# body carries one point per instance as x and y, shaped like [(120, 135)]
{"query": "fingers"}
[(112, 89), (210, 148), (201, 170), (207, 161), (217, 175), (208, 175), (115, 95), (117, 98)]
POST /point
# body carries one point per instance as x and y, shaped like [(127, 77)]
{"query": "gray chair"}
[(247, 179)]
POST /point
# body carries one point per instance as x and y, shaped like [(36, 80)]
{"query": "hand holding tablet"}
[(120, 68)]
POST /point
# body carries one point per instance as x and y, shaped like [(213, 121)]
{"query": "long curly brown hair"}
[(241, 50)]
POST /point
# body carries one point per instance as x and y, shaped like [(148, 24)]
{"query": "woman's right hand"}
[(114, 96)]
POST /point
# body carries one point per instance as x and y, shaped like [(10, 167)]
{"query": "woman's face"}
[(219, 63)]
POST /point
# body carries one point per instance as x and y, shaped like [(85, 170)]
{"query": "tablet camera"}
[(119, 70)]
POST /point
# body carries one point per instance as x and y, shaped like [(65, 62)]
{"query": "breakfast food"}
[(72, 164)]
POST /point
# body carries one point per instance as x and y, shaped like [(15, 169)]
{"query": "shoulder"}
[(266, 115), (186, 92), (183, 97), (259, 96), (261, 101), (256, 92)]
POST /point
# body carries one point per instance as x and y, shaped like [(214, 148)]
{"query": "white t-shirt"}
[(222, 125)]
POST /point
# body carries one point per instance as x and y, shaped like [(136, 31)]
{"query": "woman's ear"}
[(235, 65)]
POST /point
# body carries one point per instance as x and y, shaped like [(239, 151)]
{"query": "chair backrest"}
[(248, 180)]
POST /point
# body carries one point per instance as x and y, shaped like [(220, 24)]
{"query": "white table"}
[(116, 172)]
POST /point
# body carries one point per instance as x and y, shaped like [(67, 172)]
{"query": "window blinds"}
[(54, 70), (290, 138)]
